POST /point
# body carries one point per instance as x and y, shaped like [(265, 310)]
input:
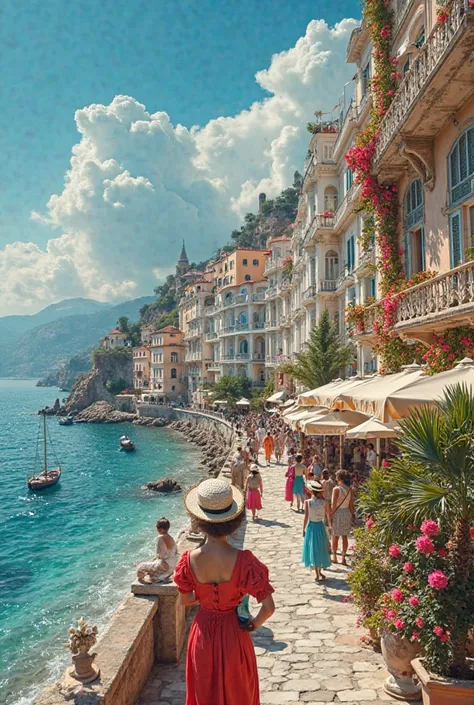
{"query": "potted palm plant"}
[(433, 594)]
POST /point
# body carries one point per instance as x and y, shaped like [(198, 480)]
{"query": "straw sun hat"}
[(214, 501), (314, 485)]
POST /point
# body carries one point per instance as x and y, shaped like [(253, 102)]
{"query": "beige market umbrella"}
[(371, 397), (372, 429), (333, 423), (243, 402), (426, 390)]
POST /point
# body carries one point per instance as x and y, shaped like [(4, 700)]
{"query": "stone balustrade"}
[(424, 66), (446, 297)]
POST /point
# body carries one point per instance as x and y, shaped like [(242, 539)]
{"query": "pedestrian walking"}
[(298, 485), (268, 445), (342, 514), (238, 469), (254, 490), (316, 543)]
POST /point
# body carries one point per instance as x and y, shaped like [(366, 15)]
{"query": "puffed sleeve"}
[(182, 575), (255, 579)]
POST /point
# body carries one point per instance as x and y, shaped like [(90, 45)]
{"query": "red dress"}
[(221, 667)]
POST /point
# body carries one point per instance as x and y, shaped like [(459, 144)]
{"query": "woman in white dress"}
[(162, 566)]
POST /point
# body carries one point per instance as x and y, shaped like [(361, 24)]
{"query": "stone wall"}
[(125, 656), (202, 419)]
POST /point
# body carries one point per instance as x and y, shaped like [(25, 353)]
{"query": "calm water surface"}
[(70, 551)]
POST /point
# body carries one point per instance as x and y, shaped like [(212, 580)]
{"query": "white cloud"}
[(138, 184)]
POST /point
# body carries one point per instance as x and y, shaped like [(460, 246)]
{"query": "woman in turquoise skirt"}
[(316, 543)]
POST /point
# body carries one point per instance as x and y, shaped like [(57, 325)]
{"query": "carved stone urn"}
[(398, 655), (81, 639)]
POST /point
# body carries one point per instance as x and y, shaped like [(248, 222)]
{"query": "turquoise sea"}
[(70, 551)]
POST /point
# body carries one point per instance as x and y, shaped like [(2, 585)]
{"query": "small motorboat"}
[(66, 421), (126, 443), (47, 478)]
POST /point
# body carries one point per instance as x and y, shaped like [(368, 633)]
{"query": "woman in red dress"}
[(221, 668)]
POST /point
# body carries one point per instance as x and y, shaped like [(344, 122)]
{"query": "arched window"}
[(173, 373), (243, 291), (330, 199), (244, 262), (414, 215), (243, 347), (255, 263), (461, 167), (243, 317), (174, 357), (331, 262), (248, 278)]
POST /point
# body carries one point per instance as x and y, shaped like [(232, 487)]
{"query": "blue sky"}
[(194, 59)]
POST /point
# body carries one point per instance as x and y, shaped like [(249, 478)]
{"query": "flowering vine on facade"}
[(380, 203)]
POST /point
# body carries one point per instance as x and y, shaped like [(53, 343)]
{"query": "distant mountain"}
[(46, 347), (12, 327)]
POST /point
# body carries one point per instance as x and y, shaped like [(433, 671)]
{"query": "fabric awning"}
[(427, 390), (278, 397), (330, 394), (371, 397), (371, 429), (303, 413), (333, 423)]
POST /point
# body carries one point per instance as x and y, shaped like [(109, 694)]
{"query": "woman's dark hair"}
[(325, 474), (299, 458), (163, 523), (224, 528), (344, 477)]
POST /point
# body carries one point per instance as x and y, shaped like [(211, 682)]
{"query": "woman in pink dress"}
[(254, 491), (221, 667), (290, 481)]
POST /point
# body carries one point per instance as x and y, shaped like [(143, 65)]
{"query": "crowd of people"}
[(219, 577)]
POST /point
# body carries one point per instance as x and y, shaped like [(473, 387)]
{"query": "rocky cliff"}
[(109, 369)]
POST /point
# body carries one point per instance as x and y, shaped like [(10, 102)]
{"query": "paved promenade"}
[(310, 650)]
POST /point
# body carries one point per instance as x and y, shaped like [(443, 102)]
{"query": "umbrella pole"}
[(340, 451), (377, 450)]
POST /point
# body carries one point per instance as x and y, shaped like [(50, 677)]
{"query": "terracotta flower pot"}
[(443, 691), (398, 655)]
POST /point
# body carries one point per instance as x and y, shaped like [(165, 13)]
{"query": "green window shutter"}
[(455, 235)]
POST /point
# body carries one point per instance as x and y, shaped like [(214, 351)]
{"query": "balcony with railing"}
[(271, 292), (309, 294), (258, 325), (213, 366), (345, 208), (272, 264), (345, 278), (258, 298), (443, 302), (320, 224), (327, 286), (270, 359), (366, 261), (272, 324), (209, 310), (212, 335), (193, 356), (258, 356), (432, 90), (236, 357)]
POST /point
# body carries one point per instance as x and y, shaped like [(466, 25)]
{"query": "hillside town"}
[(382, 236)]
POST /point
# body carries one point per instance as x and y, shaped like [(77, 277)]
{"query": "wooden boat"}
[(47, 478), (66, 421), (126, 443)]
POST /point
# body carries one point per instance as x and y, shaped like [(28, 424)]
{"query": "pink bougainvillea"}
[(397, 595), (394, 551)]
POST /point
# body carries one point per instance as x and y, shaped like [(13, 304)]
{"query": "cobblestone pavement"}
[(310, 650)]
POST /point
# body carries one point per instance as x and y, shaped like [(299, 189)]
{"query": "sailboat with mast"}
[(47, 478)]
